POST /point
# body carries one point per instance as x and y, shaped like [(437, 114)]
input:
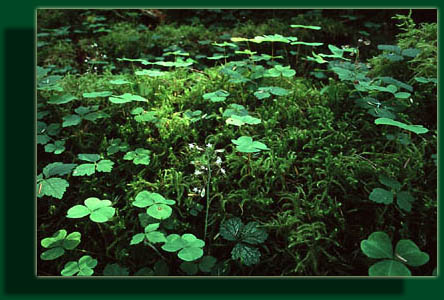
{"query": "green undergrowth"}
[(243, 166)]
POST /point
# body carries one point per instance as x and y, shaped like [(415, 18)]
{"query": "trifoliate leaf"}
[(231, 229), (57, 147), (379, 195), (389, 268), (54, 187), (378, 245), (173, 243), (139, 157), (247, 255), (217, 96), (390, 182), (409, 253), (246, 144)]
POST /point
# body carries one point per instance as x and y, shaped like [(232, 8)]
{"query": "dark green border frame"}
[(17, 160)]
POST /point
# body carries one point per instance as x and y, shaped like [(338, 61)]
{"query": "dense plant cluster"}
[(220, 144)]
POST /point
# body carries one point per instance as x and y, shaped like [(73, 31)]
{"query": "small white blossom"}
[(196, 190), (209, 145), (203, 168), (191, 146), (218, 161), (197, 172), (202, 193), (222, 170)]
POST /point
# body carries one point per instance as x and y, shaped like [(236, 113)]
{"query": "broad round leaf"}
[(378, 245), (379, 195), (409, 253), (159, 211), (102, 214), (52, 253), (190, 240), (207, 263), (389, 268), (143, 199), (390, 182), (78, 211), (190, 253), (173, 243)]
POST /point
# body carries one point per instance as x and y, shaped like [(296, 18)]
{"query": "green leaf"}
[(119, 81), (409, 253), (248, 255), (71, 120), (115, 270), (246, 144), (105, 165), (84, 169), (251, 234), (72, 240), (390, 182), (231, 229), (378, 245), (143, 199), (89, 157), (426, 80), (217, 96), (70, 269), (103, 214), (139, 157), (58, 147), (390, 48), (78, 211), (418, 129), (242, 120), (54, 187), (405, 200), (62, 99), (144, 272), (410, 52), (190, 253), (279, 70), (84, 267), (235, 109), (389, 268), (57, 168), (52, 253), (402, 95), (189, 268), (125, 98), (207, 263), (137, 238), (306, 27), (379, 195), (97, 94), (151, 73), (156, 237), (173, 243), (159, 211)]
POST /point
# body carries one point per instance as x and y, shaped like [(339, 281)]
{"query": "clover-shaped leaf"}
[(380, 195), (390, 182), (389, 268), (217, 96), (405, 200), (83, 267), (99, 211), (190, 247), (247, 255), (104, 165), (246, 144), (409, 253), (235, 109), (58, 243), (57, 147), (116, 145), (140, 115), (279, 70), (139, 157), (378, 245), (158, 206), (125, 98), (89, 113), (242, 120)]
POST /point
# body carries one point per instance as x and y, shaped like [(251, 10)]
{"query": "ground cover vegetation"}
[(236, 142)]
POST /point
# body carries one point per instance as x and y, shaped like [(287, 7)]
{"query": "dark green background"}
[(17, 160)]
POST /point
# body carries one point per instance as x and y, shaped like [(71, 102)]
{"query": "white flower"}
[(209, 145), (222, 171), (196, 190), (218, 160), (202, 193), (203, 168), (191, 146), (197, 172)]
